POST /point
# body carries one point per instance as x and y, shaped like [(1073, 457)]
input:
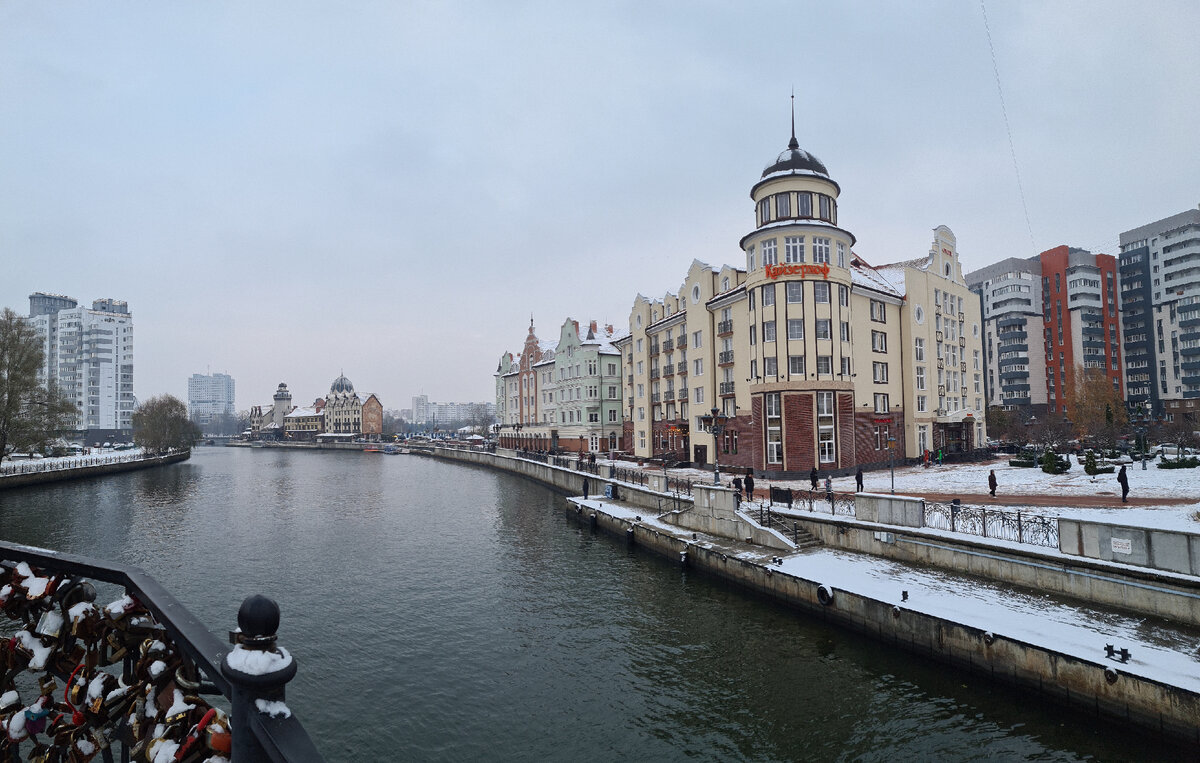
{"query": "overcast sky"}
[(285, 191)]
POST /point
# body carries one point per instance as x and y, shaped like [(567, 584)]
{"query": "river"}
[(446, 612)]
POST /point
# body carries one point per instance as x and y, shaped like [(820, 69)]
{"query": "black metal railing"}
[(75, 462), (987, 522), (679, 485), (114, 661)]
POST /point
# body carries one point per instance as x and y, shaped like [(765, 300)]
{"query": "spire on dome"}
[(793, 144)]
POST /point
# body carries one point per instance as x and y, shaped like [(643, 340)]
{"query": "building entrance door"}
[(701, 455)]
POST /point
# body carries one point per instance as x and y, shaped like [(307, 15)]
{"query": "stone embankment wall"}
[(58, 475), (1092, 686), (1160, 549)]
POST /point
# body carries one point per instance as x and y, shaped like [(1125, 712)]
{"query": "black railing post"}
[(258, 620)]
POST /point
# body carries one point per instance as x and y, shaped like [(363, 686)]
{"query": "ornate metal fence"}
[(70, 462), (679, 485), (81, 679), (986, 522)]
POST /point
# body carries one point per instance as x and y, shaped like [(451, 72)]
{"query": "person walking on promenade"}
[(992, 483), (812, 477), (749, 483), (585, 488), (858, 480), (1123, 478), (737, 488)]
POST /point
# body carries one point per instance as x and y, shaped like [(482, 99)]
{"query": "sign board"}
[(1122, 546)]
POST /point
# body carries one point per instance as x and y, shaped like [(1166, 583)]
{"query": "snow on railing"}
[(986, 522), (75, 462)]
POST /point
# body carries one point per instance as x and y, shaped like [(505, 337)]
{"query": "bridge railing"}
[(73, 462), (99, 671)]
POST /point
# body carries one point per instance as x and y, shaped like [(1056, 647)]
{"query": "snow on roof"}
[(890, 282), (302, 412)]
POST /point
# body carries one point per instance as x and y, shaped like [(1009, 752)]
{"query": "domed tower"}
[(282, 405), (341, 387), (798, 279)]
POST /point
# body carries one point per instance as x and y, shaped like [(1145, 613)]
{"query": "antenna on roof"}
[(792, 144)]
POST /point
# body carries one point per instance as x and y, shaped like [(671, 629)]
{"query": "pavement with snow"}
[(1160, 650)]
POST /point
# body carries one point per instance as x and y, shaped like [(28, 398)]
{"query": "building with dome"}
[(805, 347)]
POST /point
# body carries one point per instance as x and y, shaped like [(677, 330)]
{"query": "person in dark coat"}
[(992, 482), (737, 486), (1123, 478), (812, 478), (749, 483), (858, 480), (585, 488)]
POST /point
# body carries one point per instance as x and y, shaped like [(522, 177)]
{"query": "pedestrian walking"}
[(940, 457), (858, 480), (737, 489), (585, 488), (992, 483), (812, 478), (749, 483), (1123, 478)]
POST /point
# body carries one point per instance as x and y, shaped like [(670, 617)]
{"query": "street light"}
[(1142, 420), (714, 423), (891, 443)]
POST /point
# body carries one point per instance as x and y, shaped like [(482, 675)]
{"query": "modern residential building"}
[(1160, 298), (444, 414), (210, 395), (1045, 318), (88, 355), (806, 350)]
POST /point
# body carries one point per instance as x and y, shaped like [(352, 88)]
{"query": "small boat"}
[(372, 449), (391, 450)]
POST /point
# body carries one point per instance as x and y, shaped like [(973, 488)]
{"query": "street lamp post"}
[(1142, 421), (891, 443), (714, 423)]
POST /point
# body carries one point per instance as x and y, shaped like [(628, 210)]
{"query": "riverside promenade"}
[(43, 471), (1110, 638)]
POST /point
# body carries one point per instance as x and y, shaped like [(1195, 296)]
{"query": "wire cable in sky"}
[(1008, 128)]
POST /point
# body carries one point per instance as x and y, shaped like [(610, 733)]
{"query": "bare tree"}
[(161, 423), (31, 414)]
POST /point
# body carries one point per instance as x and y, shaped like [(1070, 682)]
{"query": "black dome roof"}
[(796, 159)]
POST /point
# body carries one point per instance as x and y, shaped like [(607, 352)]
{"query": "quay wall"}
[(1092, 686), (98, 470), (894, 536)]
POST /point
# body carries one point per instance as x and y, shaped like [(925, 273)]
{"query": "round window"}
[(919, 314), (695, 293)]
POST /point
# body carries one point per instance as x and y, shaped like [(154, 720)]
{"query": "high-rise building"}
[(1160, 300), (210, 395), (1045, 318), (89, 357)]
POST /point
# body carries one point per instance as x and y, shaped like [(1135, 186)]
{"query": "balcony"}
[(668, 369), (654, 350), (725, 389), (653, 373), (724, 328), (668, 345), (683, 395), (725, 358), (654, 398), (669, 396), (682, 369)]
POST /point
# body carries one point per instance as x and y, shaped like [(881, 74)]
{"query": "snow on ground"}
[(1158, 650)]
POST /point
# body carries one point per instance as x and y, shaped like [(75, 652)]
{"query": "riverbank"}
[(864, 576), (86, 470)]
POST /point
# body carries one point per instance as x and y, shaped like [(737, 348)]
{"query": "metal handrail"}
[(281, 740)]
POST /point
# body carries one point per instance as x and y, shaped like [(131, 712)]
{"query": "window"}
[(698, 396), (698, 367), (793, 249), (641, 414), (825, 365), (770, 366), (845, 331), (774, 417), (641, 390), (795, 292), (795, 328), (920, 377), (695, 338), (843, 295), (878, 311), (879, 372), (919, 350), (845, 366), (768, 252), (881, 403), (749, 267), (796, 365), (783, 205), (823, 328), (879, 341), (641, 367), (768, 295), (753, 335), (826, 207), (821, 292), (612, 415), (820, 249), (804, 204), (769, 331), (921, 406), (764, 211), (612, 393), (825, 440), (841, 251)]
